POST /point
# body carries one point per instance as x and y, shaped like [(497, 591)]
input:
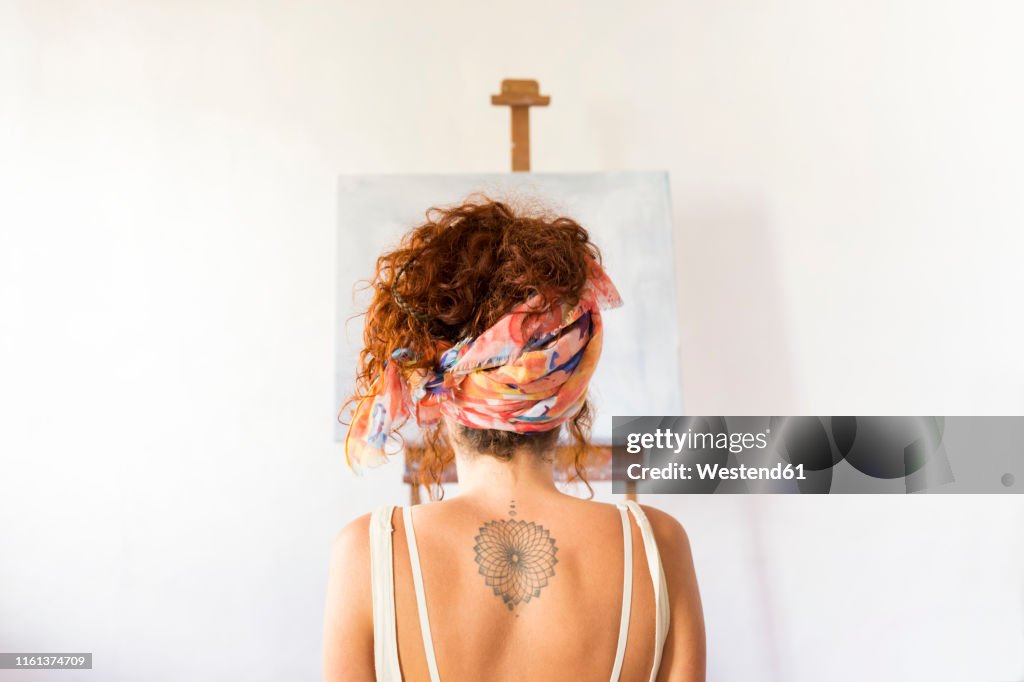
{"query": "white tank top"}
[(385, 639)]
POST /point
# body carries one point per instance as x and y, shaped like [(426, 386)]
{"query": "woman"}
[(485, 328)]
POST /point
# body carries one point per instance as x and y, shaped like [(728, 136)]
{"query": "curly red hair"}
[(454, 276)]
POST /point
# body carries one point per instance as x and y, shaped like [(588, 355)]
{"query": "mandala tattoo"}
[(516, 558)]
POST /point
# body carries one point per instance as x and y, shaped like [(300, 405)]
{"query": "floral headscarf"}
[(529, 372)]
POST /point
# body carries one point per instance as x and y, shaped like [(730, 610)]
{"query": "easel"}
[(519, 96)]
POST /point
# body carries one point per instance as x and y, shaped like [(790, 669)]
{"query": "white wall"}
[(846, 182)]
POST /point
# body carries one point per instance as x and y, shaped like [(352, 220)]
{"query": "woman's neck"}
[(524, 474)]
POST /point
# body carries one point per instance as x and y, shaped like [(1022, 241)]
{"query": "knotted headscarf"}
[(529, 372)]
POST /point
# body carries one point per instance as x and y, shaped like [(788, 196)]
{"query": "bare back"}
[(533, 588)]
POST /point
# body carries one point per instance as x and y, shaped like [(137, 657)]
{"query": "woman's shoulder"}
[(352, 541), (667, 529), (669, 533), (348, 617), (350, 550)]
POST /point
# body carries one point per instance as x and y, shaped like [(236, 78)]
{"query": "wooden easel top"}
[(520, 93), (519, 96)]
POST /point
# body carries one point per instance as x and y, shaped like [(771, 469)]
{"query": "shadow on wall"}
[(736, 355)]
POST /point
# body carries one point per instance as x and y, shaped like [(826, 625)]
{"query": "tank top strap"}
[(382, 589), (661, 606), (421, 598), (627, 591)]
